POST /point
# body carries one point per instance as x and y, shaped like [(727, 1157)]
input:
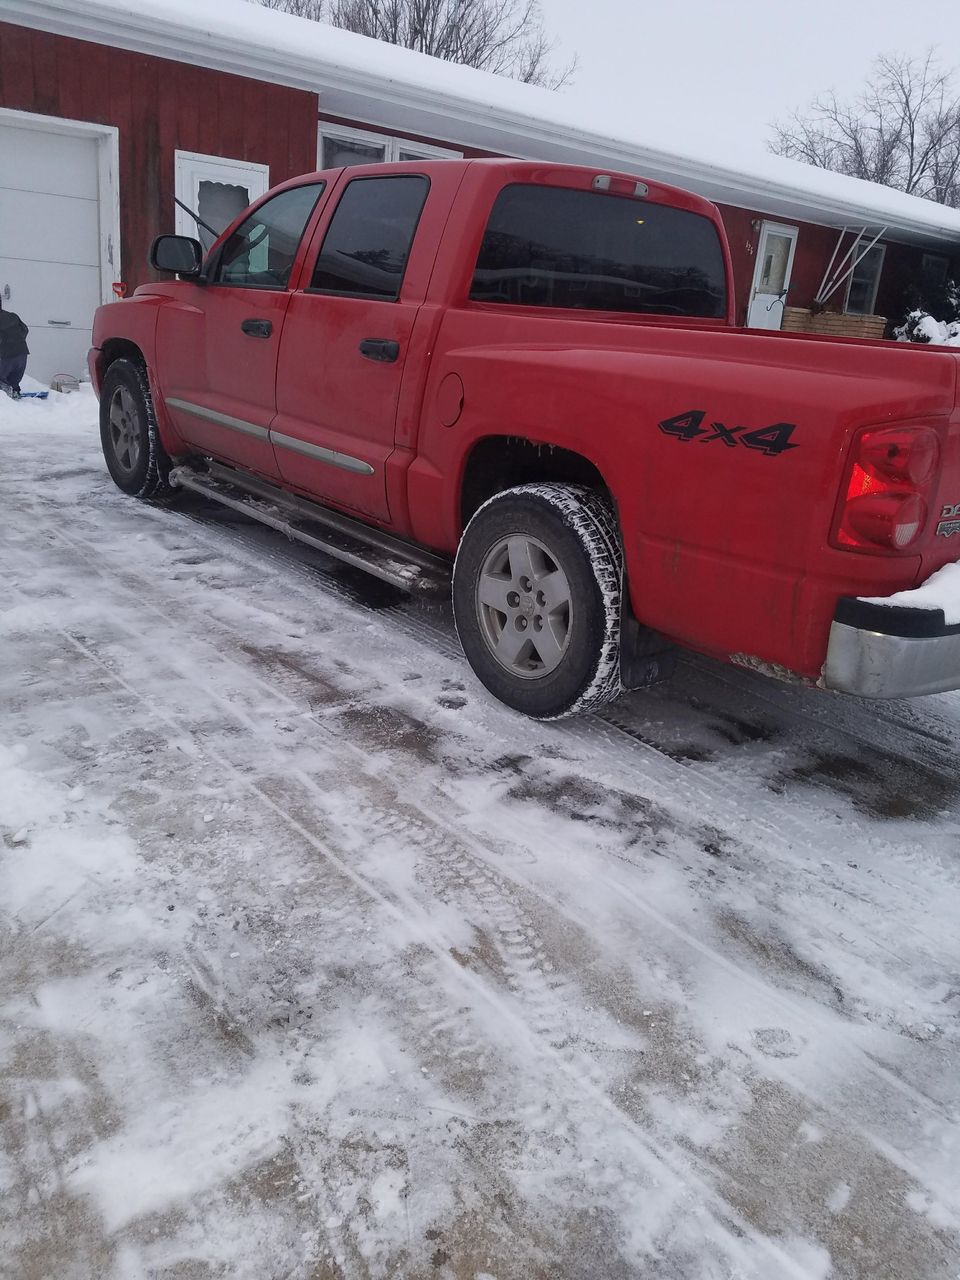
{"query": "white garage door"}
[(50, 245)]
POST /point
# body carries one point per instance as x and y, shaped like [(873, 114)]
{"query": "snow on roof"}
[(396, 89)]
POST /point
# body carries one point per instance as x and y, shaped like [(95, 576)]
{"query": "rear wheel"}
[(129, 438), (536, 595)]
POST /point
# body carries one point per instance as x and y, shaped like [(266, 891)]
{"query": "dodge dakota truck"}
[(527, 378)]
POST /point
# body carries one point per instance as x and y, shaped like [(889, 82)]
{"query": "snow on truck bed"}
[(317, 963)]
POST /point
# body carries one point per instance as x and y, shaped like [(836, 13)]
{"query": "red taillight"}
[(902, 455), (885, 506), (886, 519)]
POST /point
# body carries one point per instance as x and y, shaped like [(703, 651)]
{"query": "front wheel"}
[(131, 445), (536, 598)]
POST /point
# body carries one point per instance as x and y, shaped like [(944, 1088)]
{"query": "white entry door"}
[(771, 275), (50, 243), (217, 190)]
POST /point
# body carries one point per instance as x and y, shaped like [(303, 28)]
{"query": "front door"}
[(217, 343), (771, 275), (345, 345), (217, 189)]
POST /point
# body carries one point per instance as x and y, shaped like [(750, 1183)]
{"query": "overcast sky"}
[(731, 66)]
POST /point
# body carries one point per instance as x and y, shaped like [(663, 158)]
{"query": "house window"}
[(934, 268), (339, 146), (865, 280), (216, 189)]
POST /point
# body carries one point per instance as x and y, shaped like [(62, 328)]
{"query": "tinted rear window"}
[(553, 247)]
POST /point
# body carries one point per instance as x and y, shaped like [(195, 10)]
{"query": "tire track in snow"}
[(252, 544), (818, 713), (696, 799), (640, 1150), (763, 988), (771, 816), (618, 720), (699, 798), (613, 731), (698, 795), (866, 723)]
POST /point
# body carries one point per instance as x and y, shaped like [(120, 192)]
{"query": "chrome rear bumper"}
[(880, 651)]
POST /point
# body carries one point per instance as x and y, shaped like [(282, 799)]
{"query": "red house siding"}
[(158, 106), (814, 247)]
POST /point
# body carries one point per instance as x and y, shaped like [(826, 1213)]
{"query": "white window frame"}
[(107, 138), (392, 145), (191, 168), (872, 310)]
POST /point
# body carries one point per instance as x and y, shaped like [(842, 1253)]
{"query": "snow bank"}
[(940, 591), (60, 409)]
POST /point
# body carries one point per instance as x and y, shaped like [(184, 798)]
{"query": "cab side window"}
[(365, 251), (260, 253)]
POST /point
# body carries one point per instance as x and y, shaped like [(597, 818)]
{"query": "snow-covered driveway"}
[(316, 963)]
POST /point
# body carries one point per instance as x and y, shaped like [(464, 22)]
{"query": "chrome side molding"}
[(344, 461), (221, 419)]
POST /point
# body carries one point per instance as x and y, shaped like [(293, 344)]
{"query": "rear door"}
[(346, 341), (217, 343), (771, 275)]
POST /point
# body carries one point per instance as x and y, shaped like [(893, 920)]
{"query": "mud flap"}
[(646, 657)]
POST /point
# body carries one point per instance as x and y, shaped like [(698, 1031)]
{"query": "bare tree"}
[(503, 36), (903, 130), (313, 9)]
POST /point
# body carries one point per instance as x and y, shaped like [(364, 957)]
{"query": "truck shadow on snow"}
[(883, 786), (795, 740)]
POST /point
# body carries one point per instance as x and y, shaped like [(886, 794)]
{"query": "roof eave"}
[(391, 103)]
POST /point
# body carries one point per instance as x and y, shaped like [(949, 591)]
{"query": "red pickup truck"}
[(529, 375)]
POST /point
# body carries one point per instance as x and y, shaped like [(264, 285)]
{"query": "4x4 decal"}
[(771, 441)]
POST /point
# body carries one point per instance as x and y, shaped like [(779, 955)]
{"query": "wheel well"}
[(120, 349), (500, 462)]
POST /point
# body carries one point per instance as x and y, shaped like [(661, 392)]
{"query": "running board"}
[(400, 563)]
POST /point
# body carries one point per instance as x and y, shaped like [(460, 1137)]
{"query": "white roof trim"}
[(392, 88)]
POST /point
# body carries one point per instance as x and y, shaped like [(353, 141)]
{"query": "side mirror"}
[(177, 253)]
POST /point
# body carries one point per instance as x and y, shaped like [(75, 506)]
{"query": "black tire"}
[(574, 529), (129, 438)]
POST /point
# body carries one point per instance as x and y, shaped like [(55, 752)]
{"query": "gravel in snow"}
[(317, 963)]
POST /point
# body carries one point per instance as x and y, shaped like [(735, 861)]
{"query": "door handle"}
[(59, 322), (257, 328), (382, 349)]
